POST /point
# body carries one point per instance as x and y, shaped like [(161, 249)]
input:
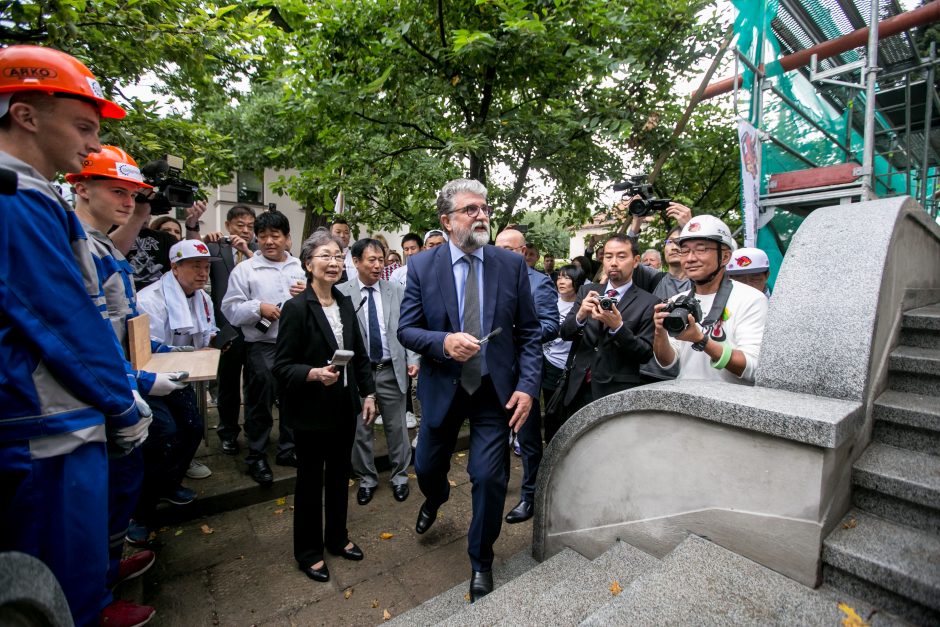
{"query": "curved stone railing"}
[(764, 470)]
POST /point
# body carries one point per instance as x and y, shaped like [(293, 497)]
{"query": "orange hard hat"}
[(112, 163), (35, 68)]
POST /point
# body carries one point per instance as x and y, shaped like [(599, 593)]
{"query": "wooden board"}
[(840, 174), (138, 341), (202, 365)]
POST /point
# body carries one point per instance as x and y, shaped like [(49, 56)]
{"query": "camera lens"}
[(638, 207), (677, 321)]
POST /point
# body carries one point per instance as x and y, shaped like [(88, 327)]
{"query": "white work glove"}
[(182, 349), (124, 440), (168, 382)]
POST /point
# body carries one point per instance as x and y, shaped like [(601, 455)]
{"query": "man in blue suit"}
[(530, 435), (457, 295)]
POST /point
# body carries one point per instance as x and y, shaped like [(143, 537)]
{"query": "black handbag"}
[(554, 403)]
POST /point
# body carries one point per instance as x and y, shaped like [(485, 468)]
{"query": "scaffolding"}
[(805, 72)]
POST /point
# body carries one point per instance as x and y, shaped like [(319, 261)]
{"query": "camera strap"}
[(718, 305)]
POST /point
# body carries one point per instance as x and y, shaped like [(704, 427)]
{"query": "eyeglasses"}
[(698, 250), (329, 258), (473, 211)]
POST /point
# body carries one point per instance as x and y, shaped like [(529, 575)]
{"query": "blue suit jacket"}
[(429, 312), (546, 304)]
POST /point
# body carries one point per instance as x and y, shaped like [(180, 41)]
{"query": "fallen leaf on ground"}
[(461, 454), (466, 597), (206, 529), (852, 619), (615, 588), (352, 482), (375, 602), (412, 475), (179, 532), (281, 501), (278, 512), (386, 535), (347, 593), (850, 524), (386, 615), (452, 483)]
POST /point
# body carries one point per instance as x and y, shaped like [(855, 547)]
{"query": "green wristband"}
[(726, 351)]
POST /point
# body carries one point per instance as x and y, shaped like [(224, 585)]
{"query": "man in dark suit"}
[(378, 304), (458, 294), (615, 341), (232, 249)]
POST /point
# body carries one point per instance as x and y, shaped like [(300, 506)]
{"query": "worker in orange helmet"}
[(66, 403)]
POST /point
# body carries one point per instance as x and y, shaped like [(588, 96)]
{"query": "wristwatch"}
[(700, 345)]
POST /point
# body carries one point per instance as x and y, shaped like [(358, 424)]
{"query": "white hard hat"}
[(748, 261), (707, 227)]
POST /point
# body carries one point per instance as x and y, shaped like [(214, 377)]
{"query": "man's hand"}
[(327, 375), (167, 382), (659, 314), (369, 410), (269, 311), (413, 370), (194, 213), (680, 213), (693, 333), (297, 288), (522, 403), (610, 318), (213, 238), (588, 307), (461, 346), (239, 243)]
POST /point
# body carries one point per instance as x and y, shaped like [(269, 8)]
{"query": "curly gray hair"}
[(445, 197)]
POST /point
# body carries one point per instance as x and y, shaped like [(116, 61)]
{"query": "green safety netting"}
[(760, 27)]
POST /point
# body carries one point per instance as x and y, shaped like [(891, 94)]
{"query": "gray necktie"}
[(472, 368)]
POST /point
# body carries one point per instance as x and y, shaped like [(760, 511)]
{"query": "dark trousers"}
[(125, 480), (323, 470), (260, 393), (173, 438), (593, 390), (56, 509), (488, 465), (553, 420), (530, 442), (229, 403)]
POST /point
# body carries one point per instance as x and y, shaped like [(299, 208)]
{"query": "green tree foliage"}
[(389, 98)]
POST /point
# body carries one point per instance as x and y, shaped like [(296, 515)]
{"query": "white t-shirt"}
[(556, 351), (741, 326)]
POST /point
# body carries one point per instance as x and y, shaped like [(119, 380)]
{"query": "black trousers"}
[(323, 472), (231, 363), (553, 420)]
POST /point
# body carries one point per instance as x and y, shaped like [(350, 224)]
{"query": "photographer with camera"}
[(714, 330), (612, 329)]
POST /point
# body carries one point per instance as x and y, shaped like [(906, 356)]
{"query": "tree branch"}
[(440, 23), (414, 127), (402, 151), (424, 54)]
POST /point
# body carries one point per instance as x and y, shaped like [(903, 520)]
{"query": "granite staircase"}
[(887, 548), (698, 583)]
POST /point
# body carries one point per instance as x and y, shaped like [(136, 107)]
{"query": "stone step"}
[(925, 338), (701, 583), (569, 601), (898, 510), (923, 384), (452, 601), (867, 554), (909, 421), (504, 600), (927, 318), (901, 473), (915, 360)]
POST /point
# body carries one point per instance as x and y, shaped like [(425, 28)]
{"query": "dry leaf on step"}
[(386, 615), (850, 524), (615, 588), (281, 501), (852, 619), (347, 593), (206, 529), (375, 602), (386, 535)]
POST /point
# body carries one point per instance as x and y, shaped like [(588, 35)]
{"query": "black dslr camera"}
[(678, 319), (646, 204), (169, 188)]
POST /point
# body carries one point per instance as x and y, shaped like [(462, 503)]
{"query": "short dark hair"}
[(531, 246), (625, 239), (338, 220), (158, 222), (574, 273), (359, 247), (272, 220), (412, 237), (238, 211)]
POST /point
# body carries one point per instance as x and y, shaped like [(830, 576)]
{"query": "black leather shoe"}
[(426, 517), (481, 584), (321, 574), (229, 446), (260, 471), (287, 458), (364, 495), (520, 513), (400, 492), (354, 554)]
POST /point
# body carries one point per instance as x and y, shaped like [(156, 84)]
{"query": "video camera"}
[(646, 204), (169, 188)]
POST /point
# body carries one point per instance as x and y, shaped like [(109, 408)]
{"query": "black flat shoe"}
[(364, 495), (481, 584), (229, 446), (260, 471), (287, 458), (401, 492), (520, 513), (321, 574), (426, 518), (354, 554)]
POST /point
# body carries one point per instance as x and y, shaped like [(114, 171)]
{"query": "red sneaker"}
[(135, 565), (125, 614)]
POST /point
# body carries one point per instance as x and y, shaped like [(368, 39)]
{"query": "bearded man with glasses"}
[(723, 344), (468, 312)]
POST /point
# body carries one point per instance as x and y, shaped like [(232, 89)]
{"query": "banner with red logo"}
[(750, 180)]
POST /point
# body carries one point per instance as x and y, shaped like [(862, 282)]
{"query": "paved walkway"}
[(237, 567)]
